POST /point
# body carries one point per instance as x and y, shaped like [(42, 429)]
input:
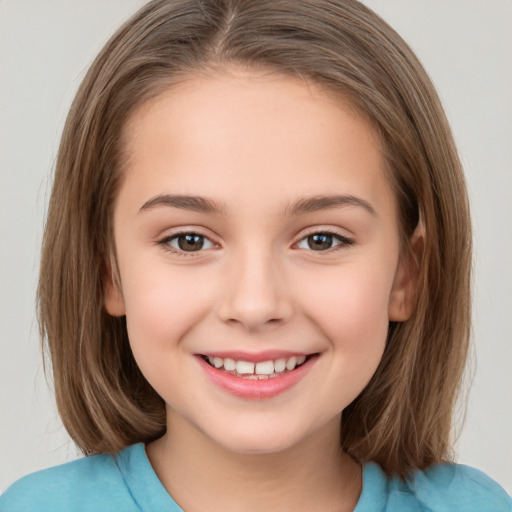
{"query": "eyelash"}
[(164, 242), (344, 242)]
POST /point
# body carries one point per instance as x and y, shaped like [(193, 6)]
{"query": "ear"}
[(403, 294), (114, 301)]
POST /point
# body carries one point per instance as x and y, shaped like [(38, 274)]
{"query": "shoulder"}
[(91, 483), (440, 488), (459, 487)]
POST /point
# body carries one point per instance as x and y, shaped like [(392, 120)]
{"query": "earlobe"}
[(403, 294), (114, 301)]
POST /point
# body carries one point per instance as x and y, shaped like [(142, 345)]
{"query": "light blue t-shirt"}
[(127, 483)]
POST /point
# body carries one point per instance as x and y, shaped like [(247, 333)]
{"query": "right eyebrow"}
[(192, 203)]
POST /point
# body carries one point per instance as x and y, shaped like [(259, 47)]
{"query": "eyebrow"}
[(300, 207), (318, 203), (192, 203)]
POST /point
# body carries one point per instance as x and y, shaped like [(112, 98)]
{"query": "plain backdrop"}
[(45, 48)]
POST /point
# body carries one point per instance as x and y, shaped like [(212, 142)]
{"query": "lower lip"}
[(256, 389)]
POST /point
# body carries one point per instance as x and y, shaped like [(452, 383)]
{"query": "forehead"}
[(248, 136)]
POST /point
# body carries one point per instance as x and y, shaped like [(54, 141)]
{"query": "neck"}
[(201, 475)]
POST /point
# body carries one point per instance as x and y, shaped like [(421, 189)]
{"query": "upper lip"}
[(256, 357)]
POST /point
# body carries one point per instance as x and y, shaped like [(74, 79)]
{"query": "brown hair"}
[(403, 418)]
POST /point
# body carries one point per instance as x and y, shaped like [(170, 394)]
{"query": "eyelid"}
[(344, 240), (164, 242)]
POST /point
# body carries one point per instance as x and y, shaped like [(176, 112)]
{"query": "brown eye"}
[(320, 241), (323, 241), (190, 242), (187, 242)]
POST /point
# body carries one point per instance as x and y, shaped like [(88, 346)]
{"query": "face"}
[(258, 251)]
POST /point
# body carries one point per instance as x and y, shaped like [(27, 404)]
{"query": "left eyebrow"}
[(318, 203), (191, 203)]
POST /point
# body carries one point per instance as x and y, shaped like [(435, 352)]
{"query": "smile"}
[(266, 376), (261, 370)]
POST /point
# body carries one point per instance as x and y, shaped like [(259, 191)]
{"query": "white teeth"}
[(262, 370), (280, 365), (291, 363), (244, 367), (229, 365), (265, 368)]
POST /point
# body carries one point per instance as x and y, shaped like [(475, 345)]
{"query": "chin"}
[(267, 439)]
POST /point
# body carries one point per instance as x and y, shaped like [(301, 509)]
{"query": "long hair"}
[(403, 418)]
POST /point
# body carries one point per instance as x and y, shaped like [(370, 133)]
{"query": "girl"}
[(255, 273)]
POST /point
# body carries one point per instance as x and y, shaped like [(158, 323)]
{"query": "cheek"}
[(162, 305), (350, 305), (352, 313)]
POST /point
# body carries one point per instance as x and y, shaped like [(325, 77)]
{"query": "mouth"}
[(256, 377), (260, 370)]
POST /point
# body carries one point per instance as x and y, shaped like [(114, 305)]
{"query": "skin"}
[(256, 144)]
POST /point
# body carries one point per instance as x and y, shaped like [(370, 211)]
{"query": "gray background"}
[(45, 47)]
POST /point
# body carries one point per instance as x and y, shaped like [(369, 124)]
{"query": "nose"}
[(256, 295)]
